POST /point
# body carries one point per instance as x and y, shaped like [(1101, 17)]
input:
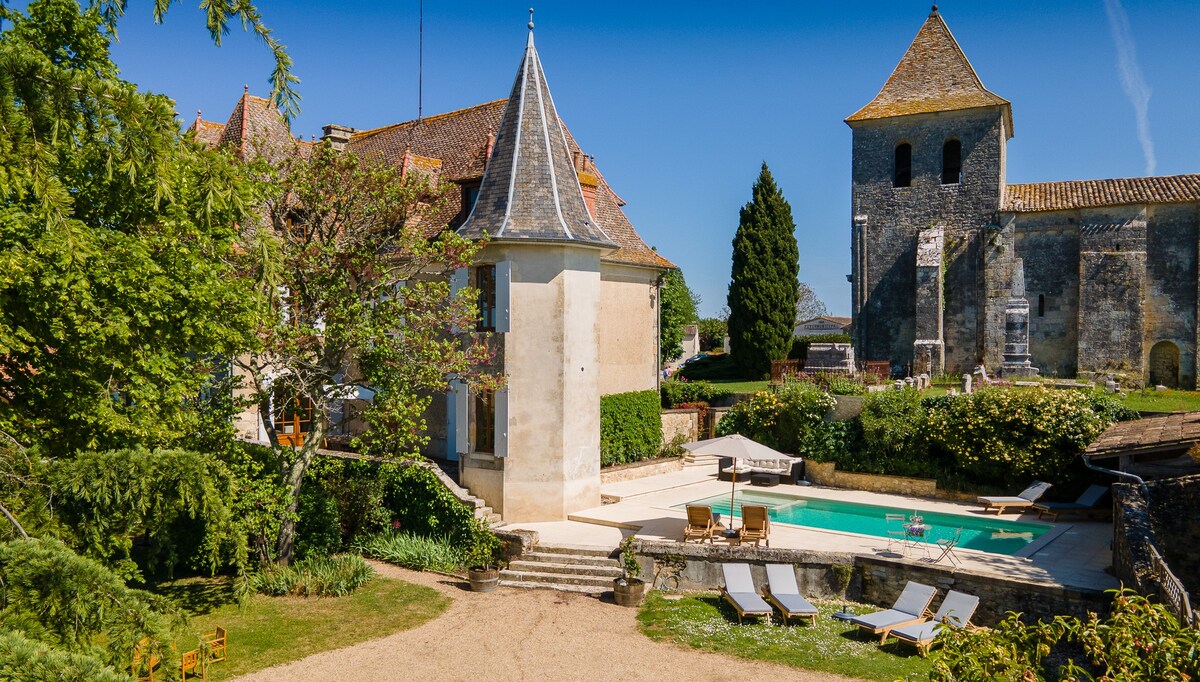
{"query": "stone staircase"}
[(586, 570), (692, 461)]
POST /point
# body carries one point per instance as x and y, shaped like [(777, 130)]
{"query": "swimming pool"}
[(983, 533)]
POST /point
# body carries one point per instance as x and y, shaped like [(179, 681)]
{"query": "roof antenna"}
[(420, 58)]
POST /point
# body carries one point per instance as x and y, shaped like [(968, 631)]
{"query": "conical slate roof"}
[(933, 75), (530, 190)]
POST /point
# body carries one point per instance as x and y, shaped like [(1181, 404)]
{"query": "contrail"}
[(1132, 81)]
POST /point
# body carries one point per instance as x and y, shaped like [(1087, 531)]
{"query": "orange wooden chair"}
[(190, 662), (214, 642), (144, 660)]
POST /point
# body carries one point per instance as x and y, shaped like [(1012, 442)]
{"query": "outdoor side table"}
[(764, 479)]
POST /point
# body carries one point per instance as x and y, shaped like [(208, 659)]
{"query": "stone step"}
[(581, 589), (576, 550), (555, 578), (575, 559), (565, 568)]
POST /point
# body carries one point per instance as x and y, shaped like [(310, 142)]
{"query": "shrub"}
[(784, 421), (630, 427), (315, 577), (1109, 407), (318, 530), (712, 368), (893, 423), (998, 434), (26, 660), (1139, 640), (675, 393), (413, 551), (423, 505)]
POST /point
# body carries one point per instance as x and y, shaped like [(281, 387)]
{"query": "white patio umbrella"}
[(735, 446)]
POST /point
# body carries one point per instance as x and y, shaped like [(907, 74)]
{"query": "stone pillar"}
[(929, 352), (967, 379), (1016, 328)]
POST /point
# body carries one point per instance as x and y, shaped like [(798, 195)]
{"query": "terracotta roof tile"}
[(934, 75), (1061, 196), (207, 133), (1164, 433)]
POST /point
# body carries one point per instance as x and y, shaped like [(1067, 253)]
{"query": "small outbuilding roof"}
[(1169, 433)]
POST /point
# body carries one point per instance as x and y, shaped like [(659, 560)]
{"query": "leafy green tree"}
[(676, 310), (79, 612), (763, 288), (808, 305), (350, 293), (115, 236), (712, 333)]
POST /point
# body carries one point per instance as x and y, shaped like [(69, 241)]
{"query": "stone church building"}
[(568, 289), (940, 241)]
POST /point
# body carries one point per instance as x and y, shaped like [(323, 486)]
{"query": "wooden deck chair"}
[(190, 662), (911, 607), (144, 660), (739, 591), (782, 591), (1022, 500), (955, 612), (1088, 502), (701, 524), (214, 642), (756, 524)]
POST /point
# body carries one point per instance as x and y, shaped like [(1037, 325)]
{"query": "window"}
[(293, 418), (485, 282), (903, 176), (470, 193), (952, 162), (485, 422), (1041, 305)]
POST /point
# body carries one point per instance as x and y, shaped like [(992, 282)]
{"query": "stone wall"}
[(826, 473), (889, 218), (676, 422), (1175, 515), (634, 470), (874, 579)]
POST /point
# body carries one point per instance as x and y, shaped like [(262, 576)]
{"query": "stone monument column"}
[(1016, 328), (929, 352)]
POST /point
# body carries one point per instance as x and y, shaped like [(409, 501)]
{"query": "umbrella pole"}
[(732, 490)]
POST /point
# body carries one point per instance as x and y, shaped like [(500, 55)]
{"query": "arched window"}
[(903, 176), (952, 162), (1041, 305)]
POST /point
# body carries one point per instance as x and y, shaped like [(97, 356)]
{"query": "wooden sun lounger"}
[(911, 607), (739, 591)]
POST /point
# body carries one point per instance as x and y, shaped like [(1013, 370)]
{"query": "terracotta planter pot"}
[(629, 594), (483, 579)]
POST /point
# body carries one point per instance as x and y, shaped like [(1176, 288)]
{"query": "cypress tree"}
[(763, 286)]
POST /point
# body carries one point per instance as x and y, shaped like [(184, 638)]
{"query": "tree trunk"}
[(293, 479)]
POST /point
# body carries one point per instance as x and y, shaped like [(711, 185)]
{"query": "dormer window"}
[(470, 194), (903, 176), (952, 162)]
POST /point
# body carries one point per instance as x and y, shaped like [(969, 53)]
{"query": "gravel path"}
[(518, 634)]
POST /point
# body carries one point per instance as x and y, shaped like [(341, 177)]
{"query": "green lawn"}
[(742, 386), (274, 630), (705, 621), (1166, 401)]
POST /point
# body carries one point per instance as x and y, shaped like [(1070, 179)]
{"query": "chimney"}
[(491, 144), (337, 135), (588, 180)]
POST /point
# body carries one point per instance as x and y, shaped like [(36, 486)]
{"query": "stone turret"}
[(543, 258)]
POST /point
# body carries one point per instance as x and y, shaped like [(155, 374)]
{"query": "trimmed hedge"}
[(676, 393), (630, 427)]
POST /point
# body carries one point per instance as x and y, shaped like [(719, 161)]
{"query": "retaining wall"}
[(874, 580)]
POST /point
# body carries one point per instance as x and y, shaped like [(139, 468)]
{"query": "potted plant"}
[(629, 588), (483, 571)]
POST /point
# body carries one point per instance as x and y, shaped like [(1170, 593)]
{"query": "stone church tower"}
[(928, 176), (942, 246)]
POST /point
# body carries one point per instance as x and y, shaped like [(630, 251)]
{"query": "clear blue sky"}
[(681, 101)]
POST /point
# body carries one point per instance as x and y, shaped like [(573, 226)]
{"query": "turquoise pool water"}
[(983, 533)]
